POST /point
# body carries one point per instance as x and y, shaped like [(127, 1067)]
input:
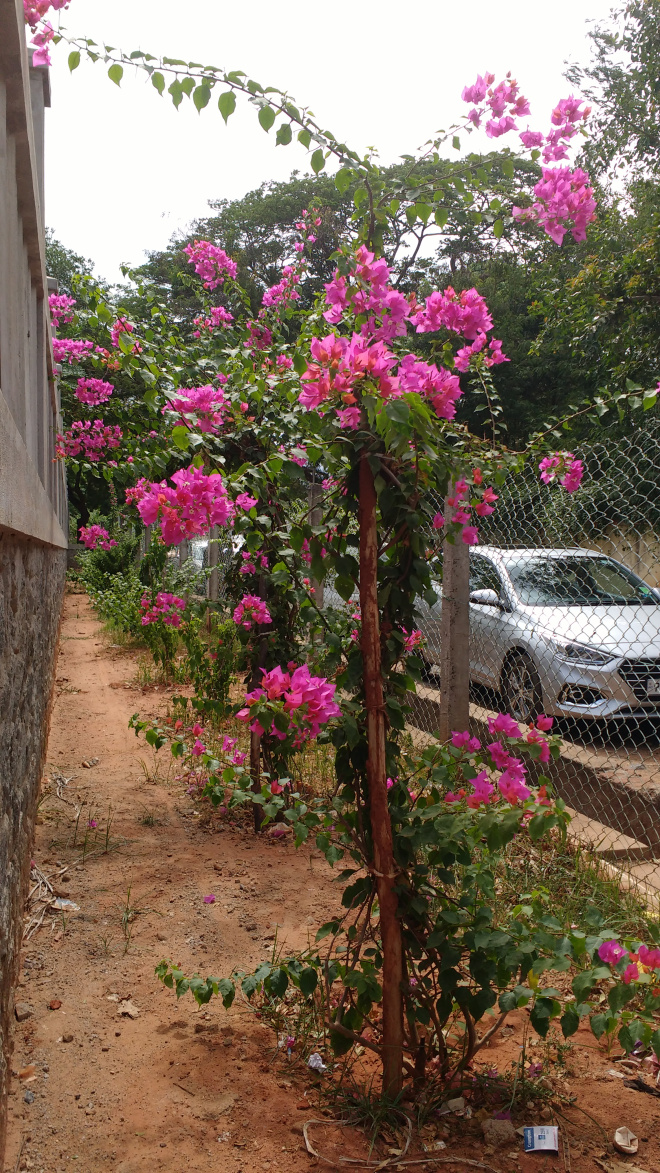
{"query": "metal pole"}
[(454, 637)]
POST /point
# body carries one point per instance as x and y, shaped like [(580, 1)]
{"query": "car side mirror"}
[(485, 598)]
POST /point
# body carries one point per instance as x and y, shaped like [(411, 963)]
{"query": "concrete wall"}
[(33, 510)]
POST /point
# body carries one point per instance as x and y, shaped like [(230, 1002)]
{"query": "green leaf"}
[(650, 400), (304, 137), (266, 117), (343, 180), (158, 81), (456, 143), (277, 982), (569, 1021), (598, 1024), (284, 135), (176, 93), (226, 990), (507, 168), (299, 363), (181, 436), (339, 1043), (74, 60), (441, 217), (498, 228), (115, 73), (317, 160), (308, 981), (227, 103), (202, 96)]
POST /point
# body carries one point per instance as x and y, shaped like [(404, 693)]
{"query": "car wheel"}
[(521, 689)]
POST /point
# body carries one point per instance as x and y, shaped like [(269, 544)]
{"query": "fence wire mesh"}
[(565, 620)]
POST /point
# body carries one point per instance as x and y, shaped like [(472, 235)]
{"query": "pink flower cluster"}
[(483, 505), (285, 290), (251, 609), (207, 404), (340, 366), (166, 609), (70, 349), (562, 467), (611, 952), (196, 502), (93, 391), (218, 315), (123, 326), (95, 537), (252, 563), (60, 308), (413, 639), (91, 439), (511, 782), (211, 263), (36, 10), (307, 699), (497, 98), (260, 336), (563, 199)]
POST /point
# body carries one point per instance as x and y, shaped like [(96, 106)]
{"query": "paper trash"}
[(541, 1137)]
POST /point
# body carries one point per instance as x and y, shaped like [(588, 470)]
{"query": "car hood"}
[(624, 631)]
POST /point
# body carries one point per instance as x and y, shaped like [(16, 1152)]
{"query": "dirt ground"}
[(205, 1089)]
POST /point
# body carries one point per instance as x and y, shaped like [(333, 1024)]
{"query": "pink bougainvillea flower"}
[(463, 740), (245, 501), (438, 521), (93, 391), (630, 973), (89, 439), (95, 537), (611, 952), (211, 263), (251, 609), (196, 502), (544, 723), (470, 536), (198, 748), (210, 899), (505, 724), (650, 958), (563, 467), (483, 790)]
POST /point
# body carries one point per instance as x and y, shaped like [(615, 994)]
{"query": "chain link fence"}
[(565, 620)]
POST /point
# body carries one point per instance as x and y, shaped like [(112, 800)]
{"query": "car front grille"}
[(636, 674)]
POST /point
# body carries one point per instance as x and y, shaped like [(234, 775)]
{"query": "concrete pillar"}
[(454, 637)]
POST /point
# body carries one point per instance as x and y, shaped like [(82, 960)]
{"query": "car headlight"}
[(581, 654)]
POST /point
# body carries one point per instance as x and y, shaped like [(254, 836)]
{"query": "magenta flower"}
[(464, 741), (207, 405), (198, 748), (611, 952), (438, 521), (95, 536), (251, 609), (630, 973), (211, 263), (89, 439), (650, 958), (505, 724), (245, 501), (93, 391), (195, 503), (210, 899)]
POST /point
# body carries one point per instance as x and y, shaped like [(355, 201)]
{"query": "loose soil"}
[(204, 1089)]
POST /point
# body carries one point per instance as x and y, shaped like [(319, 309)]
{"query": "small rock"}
[(67, 1038), (105, 1048), (497, 1132), (128, 1009), (55, 1004), (227, 1042), (22, 1011), (91, 762), (29, 1097), (161, 936)]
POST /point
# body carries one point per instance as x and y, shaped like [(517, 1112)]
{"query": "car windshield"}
[(577, 581)]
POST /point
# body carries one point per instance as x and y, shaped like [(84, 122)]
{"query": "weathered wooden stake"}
[(381, 827)]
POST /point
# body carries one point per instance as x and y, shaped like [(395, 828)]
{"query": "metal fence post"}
[(454, 637)]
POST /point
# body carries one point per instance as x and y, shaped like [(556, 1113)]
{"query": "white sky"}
[(124, 170)]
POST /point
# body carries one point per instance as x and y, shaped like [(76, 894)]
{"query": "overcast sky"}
[(124, 170)]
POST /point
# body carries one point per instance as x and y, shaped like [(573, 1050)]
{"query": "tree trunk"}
[(381, 827), (315, 517), (455, 637)]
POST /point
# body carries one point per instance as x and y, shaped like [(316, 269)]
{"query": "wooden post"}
[(255, 738), (379, 815), (184, 551), (455, 637)]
